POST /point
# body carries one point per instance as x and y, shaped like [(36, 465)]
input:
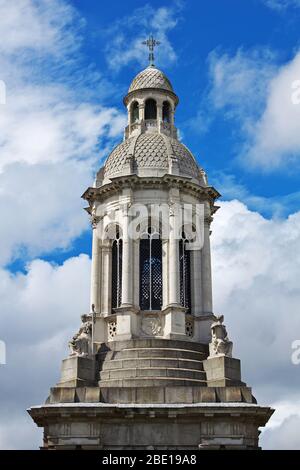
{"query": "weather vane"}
[(151, 43)]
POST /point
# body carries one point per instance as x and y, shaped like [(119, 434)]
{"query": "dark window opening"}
[(166, 113), (151, 272), (185, 273), (116, 284), (150, 109), (134, 112)]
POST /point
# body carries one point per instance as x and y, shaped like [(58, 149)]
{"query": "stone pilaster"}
[(106, 278), (206, 271), (95, 272)]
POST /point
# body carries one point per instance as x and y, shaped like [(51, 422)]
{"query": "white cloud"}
[(53, 130), (283, 437), (272, 206), (250, 88), (126, 36), (40, 311), (256, 265), (46, 26), (277, 132), (280, 5), (40, 207)]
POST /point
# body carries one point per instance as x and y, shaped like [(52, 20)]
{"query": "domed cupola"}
[(151, 146), (151, 104), (151, 77)]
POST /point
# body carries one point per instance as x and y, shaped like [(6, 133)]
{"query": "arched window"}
[(151, 271), (150, 109), (134, 114), (185, 273), (116, 284), (166, 111)]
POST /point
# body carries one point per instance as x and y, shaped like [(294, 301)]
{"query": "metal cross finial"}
[(151, 43)]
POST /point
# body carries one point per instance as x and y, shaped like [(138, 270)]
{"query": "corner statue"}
[(81, 343), (151, 367), (220, 344)]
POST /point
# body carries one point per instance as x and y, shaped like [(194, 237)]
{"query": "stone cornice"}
[(145, 91), (135, 182), (63, 412)]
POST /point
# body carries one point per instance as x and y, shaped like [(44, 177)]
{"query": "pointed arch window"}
[(134, 114), (151, 271), (116, 284), (185, 272), (150, 109), (166, 111)]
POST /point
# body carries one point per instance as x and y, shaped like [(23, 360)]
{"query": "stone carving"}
[(189, 328), (95, 219), (112, 329), (80, 345), (151, 325), (220, 344)]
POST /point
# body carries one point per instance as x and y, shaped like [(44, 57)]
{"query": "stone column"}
[(127, 262), (126, 314), (141, 111), (174, 312), (136, 272), (165, 274), (174, 293), (206, 271), (159, 114), (172, 114), (174, 297), (95, 272), (106, 277)]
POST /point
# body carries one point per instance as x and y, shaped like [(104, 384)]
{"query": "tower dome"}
[(152, 154), (150, 146), (151, 77)]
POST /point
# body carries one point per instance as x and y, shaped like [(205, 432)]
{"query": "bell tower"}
[(151, 365)]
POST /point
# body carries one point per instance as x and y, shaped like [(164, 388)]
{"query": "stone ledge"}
[(174, 426), (160, 395)]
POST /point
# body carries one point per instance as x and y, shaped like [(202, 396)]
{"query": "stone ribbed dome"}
[(151, 77), (152, 153)]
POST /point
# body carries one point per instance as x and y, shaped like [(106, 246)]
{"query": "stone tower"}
[(151, 366)]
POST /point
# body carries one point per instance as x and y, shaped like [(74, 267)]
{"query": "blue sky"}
[(203, 27), (194, 34), (67, 65)]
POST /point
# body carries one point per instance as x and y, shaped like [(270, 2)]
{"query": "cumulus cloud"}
[(40, 311), (54, 131), (255, 270), (127, 34), (277, 132), (261, 96), (285, 436)]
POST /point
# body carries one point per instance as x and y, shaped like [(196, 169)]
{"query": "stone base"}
[(174, 322), (189, 395), (77, 371), (222, 371), (151, 426)]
